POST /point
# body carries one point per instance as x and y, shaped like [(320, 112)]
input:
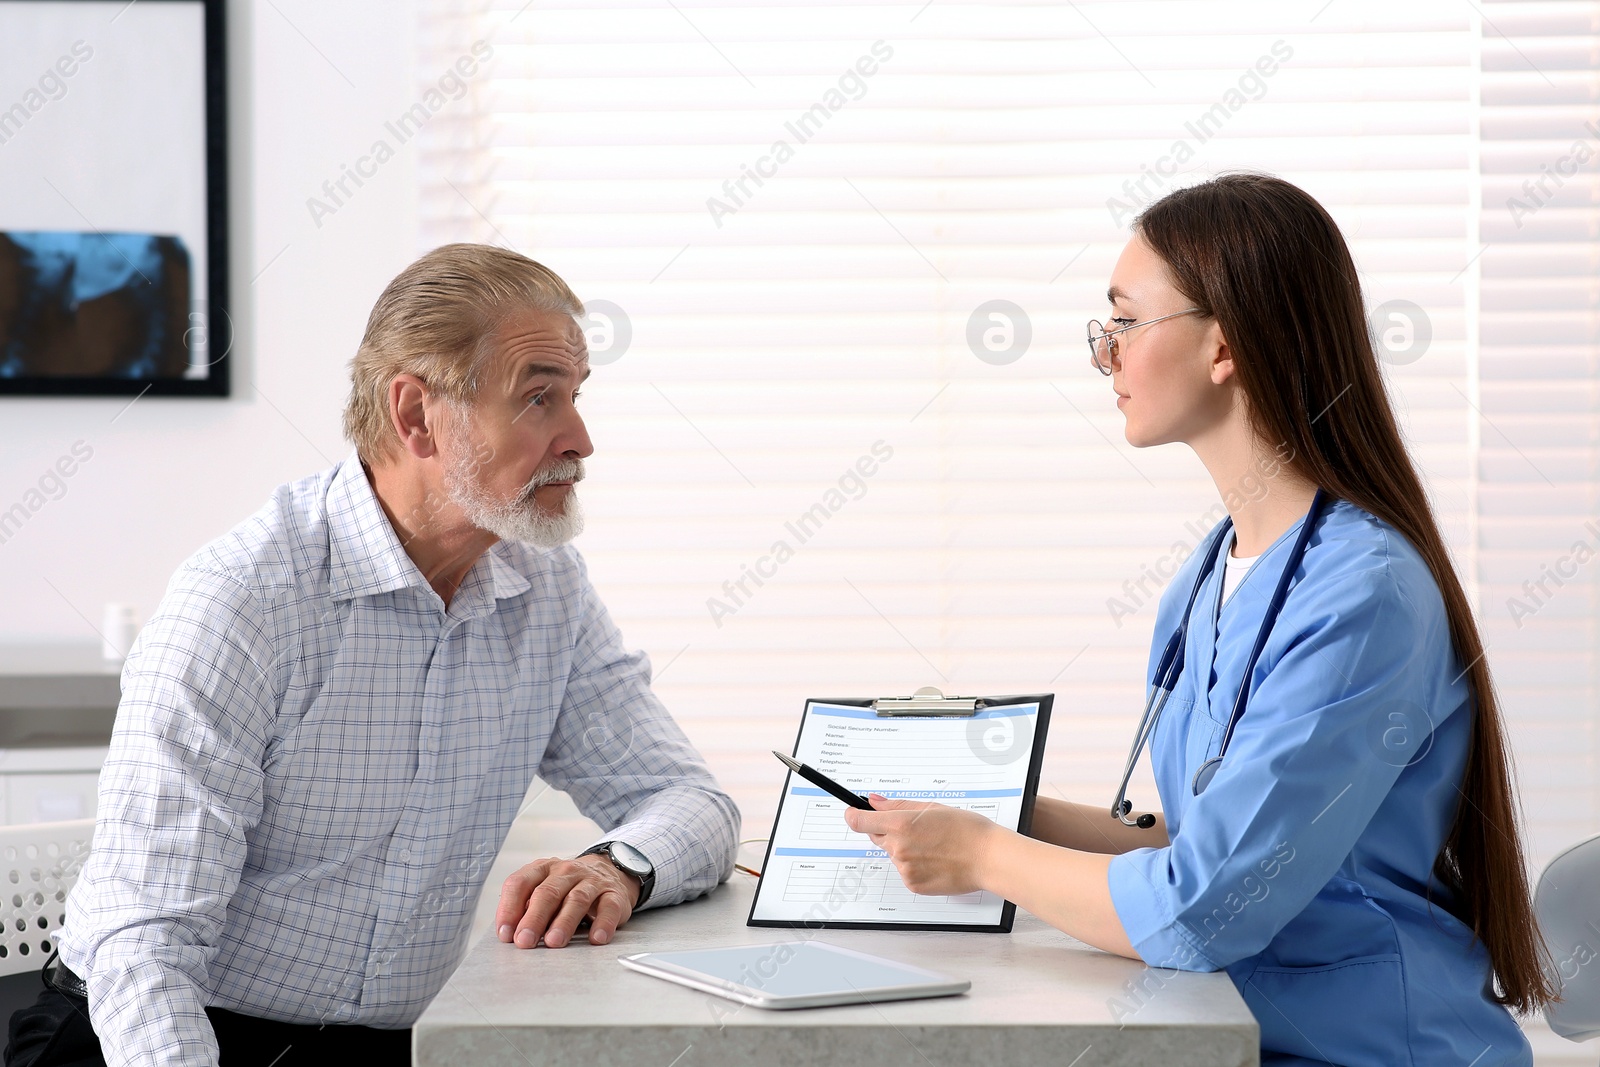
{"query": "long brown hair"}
[(1269, 264)]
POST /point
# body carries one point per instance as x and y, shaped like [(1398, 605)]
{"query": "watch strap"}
[(647, 881)]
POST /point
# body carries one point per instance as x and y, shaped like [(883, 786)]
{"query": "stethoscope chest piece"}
[(1207, 771)]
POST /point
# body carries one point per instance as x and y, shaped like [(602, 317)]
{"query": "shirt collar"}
[(365, 554), (509, 581)]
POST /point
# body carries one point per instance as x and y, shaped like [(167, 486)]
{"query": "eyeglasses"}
[(1103, 342)]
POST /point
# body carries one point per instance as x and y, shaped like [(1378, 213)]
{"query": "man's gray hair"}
[(436, 320)]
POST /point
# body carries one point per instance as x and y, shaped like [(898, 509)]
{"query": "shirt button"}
[(405, 855)]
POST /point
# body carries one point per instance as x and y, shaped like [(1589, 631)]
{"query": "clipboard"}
[(987, 753)]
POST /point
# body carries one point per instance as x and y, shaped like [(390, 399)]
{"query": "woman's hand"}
[(937, 849), (941, 850)]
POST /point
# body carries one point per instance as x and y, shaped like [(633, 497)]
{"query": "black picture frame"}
[(216, 318)]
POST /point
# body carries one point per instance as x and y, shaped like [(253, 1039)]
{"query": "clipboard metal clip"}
[(926, 701)]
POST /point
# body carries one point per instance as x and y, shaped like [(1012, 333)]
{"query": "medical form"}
[(818, 872)]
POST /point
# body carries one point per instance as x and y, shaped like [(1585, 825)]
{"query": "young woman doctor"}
[(1352, 860)]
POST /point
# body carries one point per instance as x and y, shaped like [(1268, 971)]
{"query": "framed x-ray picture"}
[(113, 198)]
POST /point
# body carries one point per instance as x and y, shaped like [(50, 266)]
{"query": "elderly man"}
[(327, 728)]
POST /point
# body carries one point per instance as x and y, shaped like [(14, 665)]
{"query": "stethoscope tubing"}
[(1170, 666), (1152, 712)]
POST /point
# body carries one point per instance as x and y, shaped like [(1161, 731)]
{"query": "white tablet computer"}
[(795, 974)]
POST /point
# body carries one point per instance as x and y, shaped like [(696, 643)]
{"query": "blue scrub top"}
[(1305, 868)]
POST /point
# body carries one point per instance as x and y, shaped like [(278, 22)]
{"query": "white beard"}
[(520, 518)]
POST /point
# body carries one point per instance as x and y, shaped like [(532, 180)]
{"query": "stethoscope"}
[(1170, 666)]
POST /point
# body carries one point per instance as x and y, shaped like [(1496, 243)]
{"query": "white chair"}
[(1567, 903), (39, 863)]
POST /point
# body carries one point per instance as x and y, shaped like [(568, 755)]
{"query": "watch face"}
[(630, 858)]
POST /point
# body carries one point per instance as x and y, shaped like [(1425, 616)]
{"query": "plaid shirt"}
[(315, 763)]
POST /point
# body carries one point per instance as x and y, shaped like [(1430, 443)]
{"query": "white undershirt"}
[(1233, 570)]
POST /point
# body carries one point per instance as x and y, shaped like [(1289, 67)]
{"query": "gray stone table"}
[(1037, 997)]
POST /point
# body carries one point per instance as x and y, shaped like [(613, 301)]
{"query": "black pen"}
[(816, 777)]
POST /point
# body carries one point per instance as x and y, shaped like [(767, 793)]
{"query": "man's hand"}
[(551, 896), (936, 848)]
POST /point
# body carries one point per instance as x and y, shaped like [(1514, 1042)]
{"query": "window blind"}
[(1538, 418), (848, 441)]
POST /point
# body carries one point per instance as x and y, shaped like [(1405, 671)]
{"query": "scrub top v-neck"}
[(1234, 570)]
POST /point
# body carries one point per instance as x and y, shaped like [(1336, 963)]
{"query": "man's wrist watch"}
[(628, 860)]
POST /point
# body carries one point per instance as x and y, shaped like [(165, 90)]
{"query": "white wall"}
[(311, 86)]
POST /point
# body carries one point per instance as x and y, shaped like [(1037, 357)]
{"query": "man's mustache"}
[(567, 470)]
